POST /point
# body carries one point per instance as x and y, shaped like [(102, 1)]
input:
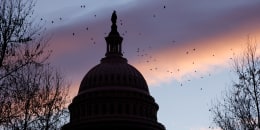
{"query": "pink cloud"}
[(200, 58)]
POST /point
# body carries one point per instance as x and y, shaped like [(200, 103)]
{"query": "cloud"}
[(217, 29), (197, 59)]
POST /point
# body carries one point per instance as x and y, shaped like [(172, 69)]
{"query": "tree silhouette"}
[(33, 95), (239, 109), (38, 97), (20, 41)]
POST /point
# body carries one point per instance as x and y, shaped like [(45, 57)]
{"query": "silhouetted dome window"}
[(127, 108)]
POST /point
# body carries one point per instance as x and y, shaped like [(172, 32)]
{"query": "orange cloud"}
[(194, 59)]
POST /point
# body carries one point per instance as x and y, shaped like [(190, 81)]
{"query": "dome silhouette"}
[(113, 95), (116, 73)]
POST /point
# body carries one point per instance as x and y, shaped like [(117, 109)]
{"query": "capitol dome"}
[(113, 95)]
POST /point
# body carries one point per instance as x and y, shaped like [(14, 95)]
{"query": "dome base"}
[(116, 124)]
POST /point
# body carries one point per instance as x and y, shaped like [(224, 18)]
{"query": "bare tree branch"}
[(239, 109)]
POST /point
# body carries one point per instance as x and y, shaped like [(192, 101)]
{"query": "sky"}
[(183, 48)]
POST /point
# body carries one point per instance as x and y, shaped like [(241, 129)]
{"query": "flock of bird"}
[(147, 57), (144, 53)]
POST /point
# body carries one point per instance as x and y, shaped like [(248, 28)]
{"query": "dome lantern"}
[(114, 40)]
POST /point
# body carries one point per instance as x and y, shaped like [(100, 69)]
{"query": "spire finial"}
[(114, 27), (114, 17)]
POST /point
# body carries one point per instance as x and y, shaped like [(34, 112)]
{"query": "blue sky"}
[(185, 47)]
